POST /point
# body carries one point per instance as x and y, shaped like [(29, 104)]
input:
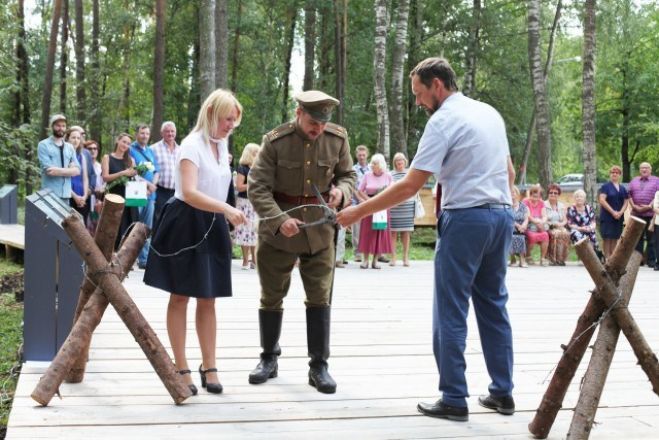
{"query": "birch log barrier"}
[(90, 317), (573, 352), (106, 234), (608, 293), (600, 361)]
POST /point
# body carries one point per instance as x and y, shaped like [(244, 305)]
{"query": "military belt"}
[(298, 200)]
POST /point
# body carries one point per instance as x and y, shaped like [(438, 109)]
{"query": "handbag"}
[(419, 210), (136, 193), (379, 222)]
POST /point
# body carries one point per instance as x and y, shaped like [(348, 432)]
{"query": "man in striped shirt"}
[(165, 151)]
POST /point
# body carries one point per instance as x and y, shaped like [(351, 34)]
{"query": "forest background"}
[(584, 73)]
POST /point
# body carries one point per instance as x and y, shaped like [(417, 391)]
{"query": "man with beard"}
[(295, 159), (464, 144), (57, 160)]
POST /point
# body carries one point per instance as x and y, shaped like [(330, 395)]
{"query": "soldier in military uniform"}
[(294, 157)]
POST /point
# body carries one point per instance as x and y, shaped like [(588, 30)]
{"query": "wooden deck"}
[(12, 240), (381, 358)]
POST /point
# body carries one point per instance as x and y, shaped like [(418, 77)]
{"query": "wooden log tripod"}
[(615, 282), (102, 286)]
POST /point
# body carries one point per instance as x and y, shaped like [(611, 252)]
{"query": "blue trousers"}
[(146, 217), (471, 262)]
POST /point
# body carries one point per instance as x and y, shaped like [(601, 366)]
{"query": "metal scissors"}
[(329, 214)]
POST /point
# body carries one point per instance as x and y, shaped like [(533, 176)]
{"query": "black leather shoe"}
[(503, 405), (266, 369), (320, 379), (192, 387), (442, 411), (215, 388), (270, 329)]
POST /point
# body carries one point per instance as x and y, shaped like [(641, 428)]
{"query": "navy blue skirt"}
[(201, 272), (611, 230)]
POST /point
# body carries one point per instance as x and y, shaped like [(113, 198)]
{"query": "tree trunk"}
[(206, 48), (543, 120), (22, 96), (309, 44), (236, 48), (626, 157), (398, 133), (81, 97), (290, 41), (573, 352), (379, 70), (472, 49), (416, 36), (50, 67), (96, 115), (64, 57), (102, 274), (341, 72), (221, 44), (600, 361), (588, 104), (159, 67), (128, 51), (608, 294), (327, 19), (548, 63), (105, 237), (194, 99)]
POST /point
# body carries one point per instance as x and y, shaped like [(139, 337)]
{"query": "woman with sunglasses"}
[(559, 237), (613, 198)]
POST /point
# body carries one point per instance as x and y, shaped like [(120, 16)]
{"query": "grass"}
[(11, 317)]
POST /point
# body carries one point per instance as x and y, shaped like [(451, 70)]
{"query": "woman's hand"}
[(347, 216), (235, 216), (129, 172)]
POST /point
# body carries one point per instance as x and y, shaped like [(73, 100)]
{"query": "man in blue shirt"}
[(464, 144), (57, 160), (142, 153)]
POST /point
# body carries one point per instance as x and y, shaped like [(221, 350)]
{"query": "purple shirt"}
[(641, 191)]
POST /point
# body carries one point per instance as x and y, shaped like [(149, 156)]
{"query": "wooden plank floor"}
[(381, 358), (13, 235)]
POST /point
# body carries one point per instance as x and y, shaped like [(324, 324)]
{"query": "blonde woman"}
[(190, 252), (402, 215), (246, 234)]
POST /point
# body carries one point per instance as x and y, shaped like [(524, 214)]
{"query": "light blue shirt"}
[(465, 145), (361, 172), (50, 156), (141, 155)]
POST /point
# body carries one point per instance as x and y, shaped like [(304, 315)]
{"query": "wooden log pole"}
[(106, 234), (552, 400), (101, 273), (81, 333), (607, 292), (600, 361)]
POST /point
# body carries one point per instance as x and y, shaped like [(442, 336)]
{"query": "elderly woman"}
[(581, 220), (613, 198), (374, 241), (521, 215), (559, 237), (245, 235), (402, 216), (536, 233)]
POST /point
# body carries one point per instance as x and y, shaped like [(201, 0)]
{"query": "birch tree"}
[(159, 67), (379, 61), (206, 48), (50, 67), (221, 43), (399, 53), (309, 44), (588, 103), (472, 50), (543, 122), (79, 47)]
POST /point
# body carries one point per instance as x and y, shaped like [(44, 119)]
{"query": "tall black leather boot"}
[(270, 326), (318, 333)]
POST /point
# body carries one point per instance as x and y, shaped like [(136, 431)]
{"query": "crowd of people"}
[(553, 226)]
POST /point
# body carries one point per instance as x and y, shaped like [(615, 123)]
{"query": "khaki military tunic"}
[(291, 164)]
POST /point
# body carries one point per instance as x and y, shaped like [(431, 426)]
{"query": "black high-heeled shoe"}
[(215, 388), (192, 386)]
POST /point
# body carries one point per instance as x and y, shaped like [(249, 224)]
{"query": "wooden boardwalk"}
[(381, 358)]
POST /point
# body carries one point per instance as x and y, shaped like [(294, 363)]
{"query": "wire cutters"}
[(329, 214)]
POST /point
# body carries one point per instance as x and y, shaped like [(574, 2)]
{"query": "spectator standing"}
[(559, 237), (641, 192), (537, 233), (141, 154), (79, 184), (655, 208), (116, 165), (614, 199), (165, 152), (402, 215), (57, 160), (246, 235), (92, 176), (96, 198), (373, 241), (361, 168)]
